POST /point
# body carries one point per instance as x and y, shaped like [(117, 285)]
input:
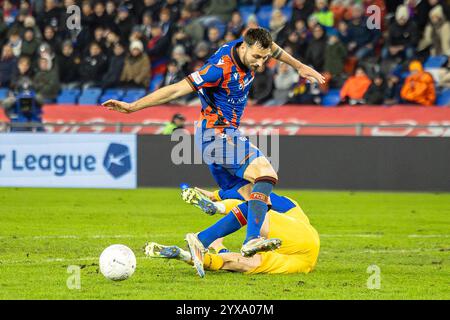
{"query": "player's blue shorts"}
[(227, 153)]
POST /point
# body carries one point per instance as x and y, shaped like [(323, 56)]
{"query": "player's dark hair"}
[(258, 35)]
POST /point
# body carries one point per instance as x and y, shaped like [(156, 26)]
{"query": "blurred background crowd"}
[(141, 45)]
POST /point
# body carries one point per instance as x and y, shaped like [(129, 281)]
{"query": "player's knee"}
[(261, 170)]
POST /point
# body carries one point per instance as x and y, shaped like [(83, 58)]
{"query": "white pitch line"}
[(75, 260), (429, 236), (131, 236)]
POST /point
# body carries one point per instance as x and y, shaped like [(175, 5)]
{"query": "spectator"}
[(191, 26), (335, 56), (93, 66), (376, 93), (22, 74), (102, 19), (419, 86), (68, 63), (7, 64), (46, 82), (437, 33), (176, 123), (124, 23), (174, 9), (112, 76), (158, 45), (355, 87), (302, 9), (277, 24), (153, 7), (284, 80), (315, 54), (21, 78), (146, 25), (229, 36), (201, 54), (50, 16), (392, 90), (165, 22), (51, 39), (219, 9), (173, 74), (181, 38), (297, 43), (323, 14), (213, 39), (9, 12), (136, 70), (236, 24), (261, 91), (15, 42), (30, 44), (343, 33), (403, 36), (363, 40), (182, 59)]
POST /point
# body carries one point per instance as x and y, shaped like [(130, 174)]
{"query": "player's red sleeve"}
[(209, 75)]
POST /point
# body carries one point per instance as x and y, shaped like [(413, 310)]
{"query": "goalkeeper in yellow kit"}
[(285, 221)]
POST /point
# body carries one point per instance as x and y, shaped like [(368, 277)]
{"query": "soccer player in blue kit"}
[(222, 85)]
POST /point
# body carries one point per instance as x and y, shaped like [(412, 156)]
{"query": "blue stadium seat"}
[(435, 62), (90, 96), (66, 99), (115, 92), (156, 82), (287, 11), (73, 91), (246, 11), (3, 93), (331, 99), (264, 15), (137, 92), (68, 96), (444, 98), (133, 94)]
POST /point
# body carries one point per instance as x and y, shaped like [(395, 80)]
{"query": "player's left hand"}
[(311, 74)]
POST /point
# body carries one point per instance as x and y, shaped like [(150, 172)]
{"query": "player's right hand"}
[(119, 106)]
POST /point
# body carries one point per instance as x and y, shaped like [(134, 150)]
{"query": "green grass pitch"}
[(43, 231)]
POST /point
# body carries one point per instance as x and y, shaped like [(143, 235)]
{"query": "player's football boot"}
[(196, 198), (156, 250), (197, 251), (260, 244)]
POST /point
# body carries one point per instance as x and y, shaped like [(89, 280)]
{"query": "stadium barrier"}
[(346, 163), (130, 160), (68, 160), (288, 120)]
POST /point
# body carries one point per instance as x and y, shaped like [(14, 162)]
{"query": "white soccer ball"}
[(117, 262)]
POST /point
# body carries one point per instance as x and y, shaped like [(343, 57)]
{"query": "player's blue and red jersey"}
[(222, 84)]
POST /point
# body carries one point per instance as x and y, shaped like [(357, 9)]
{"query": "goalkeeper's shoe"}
[(260, 244), (196, 198), (197, 251), (156, 250)]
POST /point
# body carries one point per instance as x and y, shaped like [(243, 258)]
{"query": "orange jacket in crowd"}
[(419, 86), (355, 87)]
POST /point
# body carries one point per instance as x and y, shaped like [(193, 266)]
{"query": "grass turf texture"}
[(43, 231)]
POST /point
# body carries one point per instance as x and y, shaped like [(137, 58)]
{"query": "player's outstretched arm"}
[(158, 97), (304, 70)]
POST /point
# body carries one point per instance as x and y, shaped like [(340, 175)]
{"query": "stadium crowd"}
[(150, 43)]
